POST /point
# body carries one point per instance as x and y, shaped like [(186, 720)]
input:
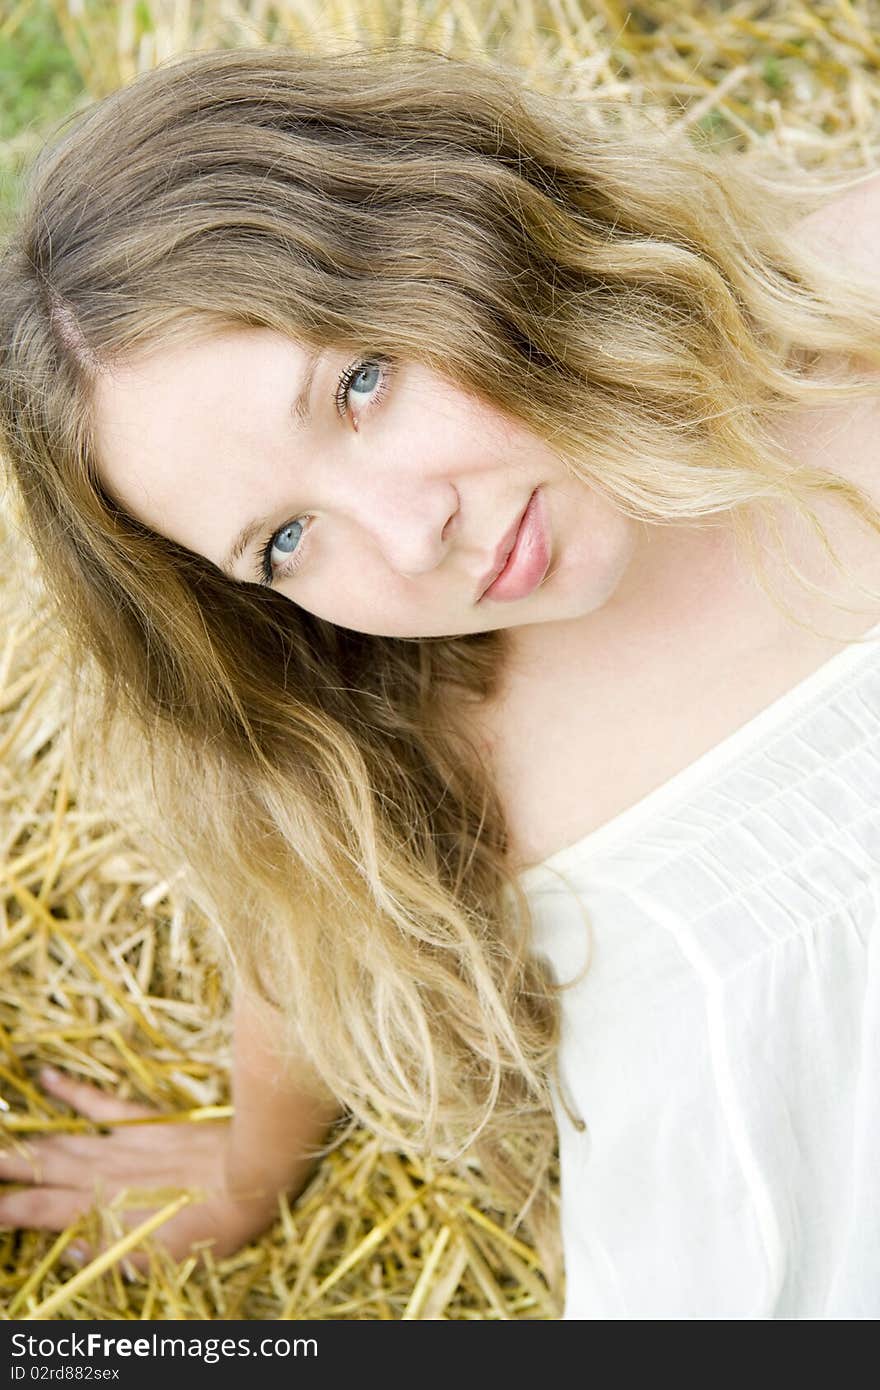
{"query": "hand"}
[(69, 1173)]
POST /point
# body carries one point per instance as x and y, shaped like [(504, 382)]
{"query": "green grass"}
[(38, 78), (39, 84)]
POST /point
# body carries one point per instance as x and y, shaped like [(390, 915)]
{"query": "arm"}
[(280, 1114), (240, 1166)]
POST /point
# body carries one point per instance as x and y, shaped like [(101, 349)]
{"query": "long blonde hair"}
[(633, 298)]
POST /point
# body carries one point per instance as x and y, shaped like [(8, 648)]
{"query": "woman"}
[(431, 483)]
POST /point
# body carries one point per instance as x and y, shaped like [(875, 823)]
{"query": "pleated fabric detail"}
[(723, 1047)]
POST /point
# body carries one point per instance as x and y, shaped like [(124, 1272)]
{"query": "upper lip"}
[(502, 553)]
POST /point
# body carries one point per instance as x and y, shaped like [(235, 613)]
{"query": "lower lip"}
[(528, 561)]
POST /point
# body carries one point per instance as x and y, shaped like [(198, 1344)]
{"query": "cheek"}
[(597, 545), (617, 546), (359, 598)]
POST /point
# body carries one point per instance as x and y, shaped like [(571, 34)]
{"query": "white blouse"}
[(723, 1048)]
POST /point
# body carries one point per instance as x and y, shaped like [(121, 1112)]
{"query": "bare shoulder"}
[(849, 225)]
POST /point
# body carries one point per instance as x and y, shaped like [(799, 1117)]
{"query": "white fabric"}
[(723, 1048)]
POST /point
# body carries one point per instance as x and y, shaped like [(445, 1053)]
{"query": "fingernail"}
[(50, 1075), (77, 1253)]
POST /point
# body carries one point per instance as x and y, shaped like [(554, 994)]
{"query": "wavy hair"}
[(631, 296)]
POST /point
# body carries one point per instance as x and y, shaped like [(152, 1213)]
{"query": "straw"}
[(106, 968), (105, 1261)]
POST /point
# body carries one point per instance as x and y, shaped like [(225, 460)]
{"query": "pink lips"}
[(529, 557)]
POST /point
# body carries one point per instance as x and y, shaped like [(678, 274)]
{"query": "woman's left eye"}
[(368, 377)]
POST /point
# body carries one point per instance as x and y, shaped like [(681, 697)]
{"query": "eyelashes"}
[(344, 385), (266, 572)]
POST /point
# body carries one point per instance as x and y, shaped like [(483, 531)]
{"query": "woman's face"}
[(384, 504)]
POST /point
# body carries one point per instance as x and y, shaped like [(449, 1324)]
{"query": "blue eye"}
[(291, 542), (286, 540), (377, 373), (380, 369)]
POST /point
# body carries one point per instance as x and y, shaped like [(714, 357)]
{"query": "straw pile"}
[(105, 972), (106, 976)]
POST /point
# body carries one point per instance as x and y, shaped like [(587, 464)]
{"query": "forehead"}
[(192, 416)]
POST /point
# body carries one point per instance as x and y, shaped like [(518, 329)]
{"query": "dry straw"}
[(104, 969)]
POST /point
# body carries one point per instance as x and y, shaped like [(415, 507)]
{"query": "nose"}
[(409, 522)]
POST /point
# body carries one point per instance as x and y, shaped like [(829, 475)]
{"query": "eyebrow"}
[(301, 414)]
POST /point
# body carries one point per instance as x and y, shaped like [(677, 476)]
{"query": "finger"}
[(77, 1253), (175, 1239), (26, 1164), (42, 1208), (89, 1101), (54, 1162), (80, 1253)]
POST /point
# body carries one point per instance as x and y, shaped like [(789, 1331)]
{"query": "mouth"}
[(522, 558)]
